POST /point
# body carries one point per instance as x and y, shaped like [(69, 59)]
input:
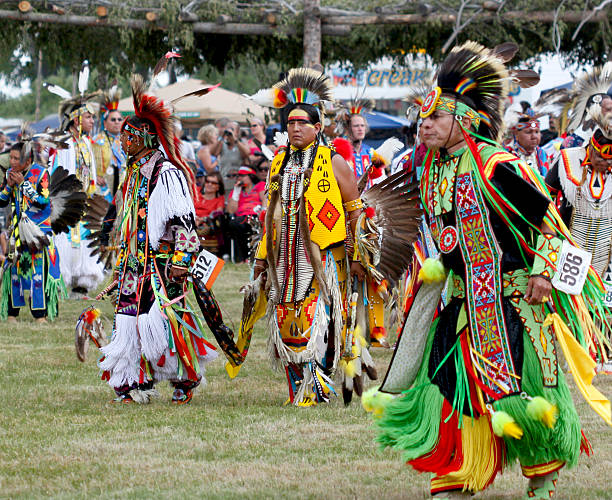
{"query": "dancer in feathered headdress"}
[(302, 256), (80, 270), (594, 87), (526, 141), (478, 383), (110, 158), (157, 336), (41, 204), (368, 165), (583, 177)]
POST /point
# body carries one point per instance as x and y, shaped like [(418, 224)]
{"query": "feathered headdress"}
[(110, 101), (72, 107), (589, 89), (356, 106), (34, 144), (300, 86), (416, 97), (552, 103), (601, 140), (151, 108), (473, 82)]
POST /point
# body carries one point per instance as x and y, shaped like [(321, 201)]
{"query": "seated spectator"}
[(207, 157), (211, 221), (247, 200), (213, 197), (262, 167)]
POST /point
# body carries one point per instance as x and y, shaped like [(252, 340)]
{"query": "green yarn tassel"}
[(505, 426), (540, 409), (5, 292), (375, 402)]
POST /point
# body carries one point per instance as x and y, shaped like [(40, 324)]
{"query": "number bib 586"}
[(572, 269)]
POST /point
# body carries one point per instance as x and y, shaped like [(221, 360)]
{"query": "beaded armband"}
[(545, 261), (181, 259), (351, 206)]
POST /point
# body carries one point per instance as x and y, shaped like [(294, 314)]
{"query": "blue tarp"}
[(49, 121), (382, 121)]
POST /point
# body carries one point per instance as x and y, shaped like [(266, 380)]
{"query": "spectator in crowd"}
[(262, 167), (208, 154), (231, 157), (213, 197), (211, 223), (3, 147), (222, 124), (247, 200)]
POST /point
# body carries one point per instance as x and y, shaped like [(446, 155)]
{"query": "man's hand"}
[(100, 181), (177, 274), (358, 270), (259, 268), (538, 290), (14, 178)]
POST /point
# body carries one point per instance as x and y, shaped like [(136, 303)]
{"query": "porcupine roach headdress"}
[(473, 82), (301, 86), (601, 140), (72, 107), (109, 102), (34, 144), (151, 108), (589, 89), (356, 106)]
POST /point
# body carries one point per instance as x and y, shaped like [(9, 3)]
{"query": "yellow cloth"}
[(295, 320), (324, 209), (581, 365)]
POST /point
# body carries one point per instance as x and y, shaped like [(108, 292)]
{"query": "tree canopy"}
[(130, 35)]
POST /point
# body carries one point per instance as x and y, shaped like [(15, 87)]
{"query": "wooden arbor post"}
[(312, 33)]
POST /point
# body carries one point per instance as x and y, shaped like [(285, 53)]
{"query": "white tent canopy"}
[(219, 103)]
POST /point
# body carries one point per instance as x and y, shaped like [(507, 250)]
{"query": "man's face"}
[(15, 161), (302, 133), (113, 122), (606, 105), (599, 163), (358, 128), (528, 138), (131, 144), (439, 130), (87, 122)]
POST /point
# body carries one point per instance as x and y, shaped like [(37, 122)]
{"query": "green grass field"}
[(61, 438)]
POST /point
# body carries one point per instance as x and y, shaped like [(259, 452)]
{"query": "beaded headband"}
[(435, 100), (85, 108), (144, 132), (604, 150)]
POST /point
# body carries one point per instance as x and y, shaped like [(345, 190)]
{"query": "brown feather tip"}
[(506, 51), (525, 77), (198, 93)]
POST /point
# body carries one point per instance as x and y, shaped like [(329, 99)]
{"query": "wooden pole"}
[(38, 85), (537, 16), (141, 24), (312, 33)]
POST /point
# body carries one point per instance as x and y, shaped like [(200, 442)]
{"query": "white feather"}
[(57, 90), (84, 77), (263, 97), (388, 149), (281, 139)]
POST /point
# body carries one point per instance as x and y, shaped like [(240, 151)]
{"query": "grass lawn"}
[(60, 437)]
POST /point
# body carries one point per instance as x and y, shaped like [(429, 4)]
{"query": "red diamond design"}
[(328, 215), (310, 210)]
